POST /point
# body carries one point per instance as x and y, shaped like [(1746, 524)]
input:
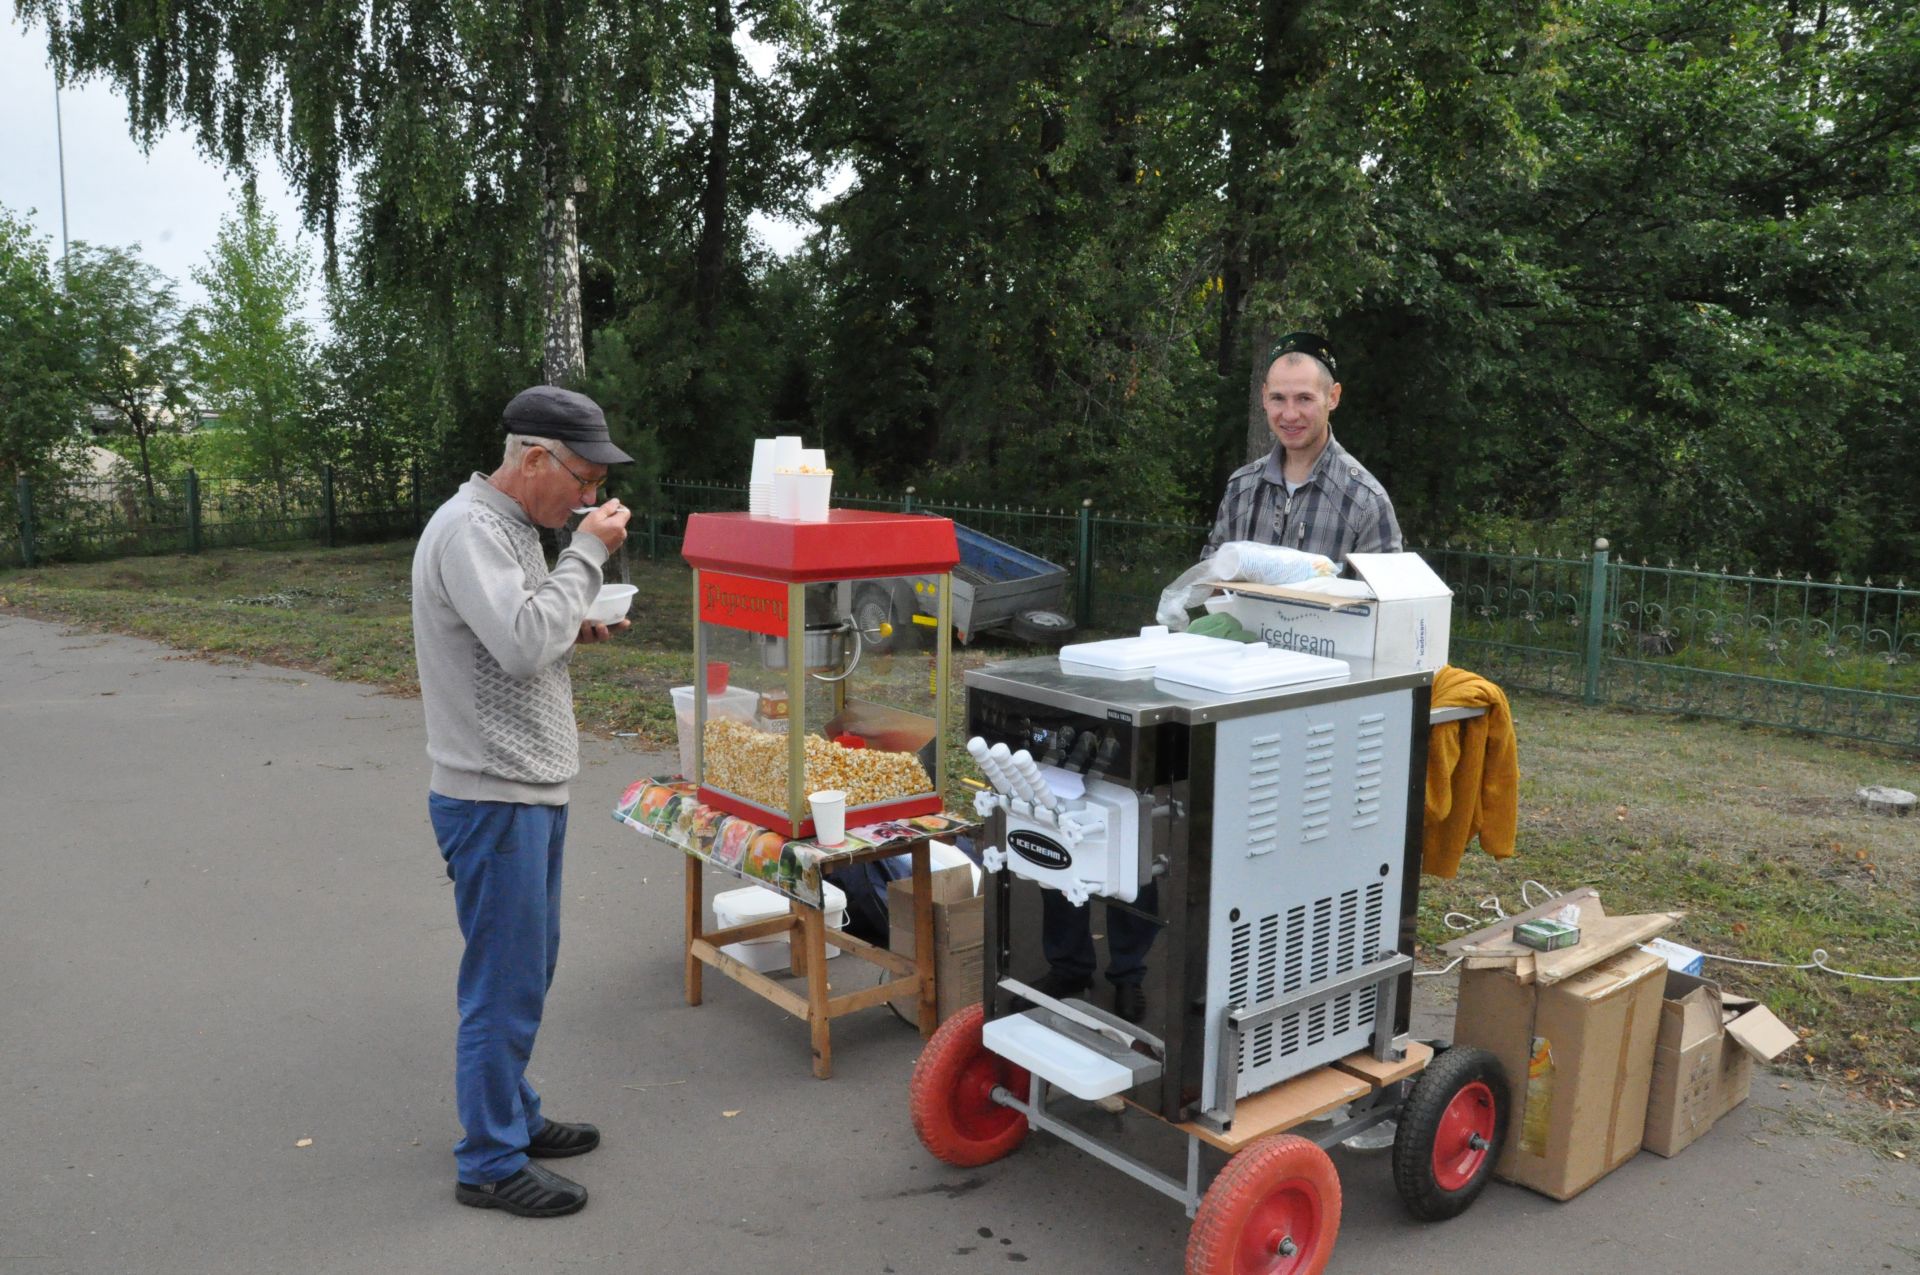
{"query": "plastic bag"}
[(1237, 560)]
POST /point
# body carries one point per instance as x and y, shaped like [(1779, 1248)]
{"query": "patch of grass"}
[(1891, 1135), (1752, 832)]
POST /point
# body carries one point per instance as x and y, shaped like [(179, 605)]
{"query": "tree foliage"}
[(42, 387), (1634, 268)]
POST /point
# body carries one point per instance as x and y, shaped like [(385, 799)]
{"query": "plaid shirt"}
[(1341, 509)]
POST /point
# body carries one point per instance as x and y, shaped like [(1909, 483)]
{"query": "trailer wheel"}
[(1274, 1209), (952, 1095), (1451, 1131), (1042, 628)]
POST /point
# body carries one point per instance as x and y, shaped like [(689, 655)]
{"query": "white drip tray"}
[(1063, 1063)]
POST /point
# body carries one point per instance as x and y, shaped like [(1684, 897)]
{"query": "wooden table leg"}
[(923, 937), (696, 905), (797, 948), (813, 926)]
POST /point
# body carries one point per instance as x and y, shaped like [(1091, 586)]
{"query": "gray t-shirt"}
[(493, 631)]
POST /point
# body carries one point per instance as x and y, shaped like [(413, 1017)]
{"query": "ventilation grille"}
[(1316, 781), (1278, 954), (1263, 795), (1369, 747)]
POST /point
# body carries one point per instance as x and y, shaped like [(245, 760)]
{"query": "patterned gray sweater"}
[(493, 631)]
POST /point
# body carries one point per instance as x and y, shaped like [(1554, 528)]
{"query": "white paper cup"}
[(786, 452), (786, 495), (762, 461), (811, 493), (813, 458), (829, 816)]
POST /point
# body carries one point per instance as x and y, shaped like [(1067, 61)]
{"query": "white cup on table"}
[(829, 817)]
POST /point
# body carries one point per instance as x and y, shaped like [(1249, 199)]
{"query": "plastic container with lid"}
[(1136, 657), (1246, 668), (757, 903)]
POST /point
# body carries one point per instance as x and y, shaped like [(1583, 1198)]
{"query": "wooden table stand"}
[(808, 935)]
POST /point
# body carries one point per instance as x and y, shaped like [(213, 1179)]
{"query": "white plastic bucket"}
[(757, 903)]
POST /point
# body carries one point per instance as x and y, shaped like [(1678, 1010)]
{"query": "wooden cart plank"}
[(1379, 1074), (1282, 1107), (871, 953)]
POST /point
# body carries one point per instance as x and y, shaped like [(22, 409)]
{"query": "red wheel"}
[(1274, 1210), (952, 1095), (1451, 1131)]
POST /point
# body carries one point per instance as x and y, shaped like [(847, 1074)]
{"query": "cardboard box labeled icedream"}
[(1703, 1059), (1406, 623), (1578, 1056)]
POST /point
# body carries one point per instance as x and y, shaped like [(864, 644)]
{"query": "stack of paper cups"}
[(814, 458), (760, 483), (786, 452)]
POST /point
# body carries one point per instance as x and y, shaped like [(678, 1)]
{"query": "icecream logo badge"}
[(1041, 851)]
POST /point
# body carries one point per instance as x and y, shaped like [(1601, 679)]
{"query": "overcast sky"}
[(169, 201)]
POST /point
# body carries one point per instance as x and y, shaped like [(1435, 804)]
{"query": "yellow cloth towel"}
[(1473, 775)]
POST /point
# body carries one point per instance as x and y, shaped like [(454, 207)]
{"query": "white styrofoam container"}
[(757, 903), (1247, 668), (1407, 622), (1136, 656)]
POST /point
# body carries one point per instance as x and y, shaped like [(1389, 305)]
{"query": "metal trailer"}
[(1267, 845), (996, 586)]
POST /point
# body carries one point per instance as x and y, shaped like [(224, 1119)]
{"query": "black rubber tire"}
[(871, 607), (1041, 627), (1446, 1077)]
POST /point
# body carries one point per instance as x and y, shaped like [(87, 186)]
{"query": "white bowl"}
[(610, 607)]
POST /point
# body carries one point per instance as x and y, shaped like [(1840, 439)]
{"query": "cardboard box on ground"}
[(1578, 1054), (1703, 1059), (959, 935), (1608, 1045)]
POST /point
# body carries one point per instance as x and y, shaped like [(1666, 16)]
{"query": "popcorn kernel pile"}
[(753, 764)]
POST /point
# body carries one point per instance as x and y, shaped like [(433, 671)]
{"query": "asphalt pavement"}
[(227, 1024)]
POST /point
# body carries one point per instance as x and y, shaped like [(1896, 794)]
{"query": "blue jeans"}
[(504, 858)]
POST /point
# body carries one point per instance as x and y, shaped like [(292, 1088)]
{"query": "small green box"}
[(1546, 936)]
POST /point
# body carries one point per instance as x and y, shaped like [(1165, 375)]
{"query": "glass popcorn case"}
[(812, 673)]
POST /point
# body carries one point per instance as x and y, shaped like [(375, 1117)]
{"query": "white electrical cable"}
[(1492, 904)]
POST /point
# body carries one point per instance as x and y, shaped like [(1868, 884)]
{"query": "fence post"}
[(418, 524), (193, 511), (23, 495), (653, 530), (1596, 621), (907, 504), (1083, 604), (326, 487)]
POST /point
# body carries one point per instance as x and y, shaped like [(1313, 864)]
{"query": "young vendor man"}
[(494, 628), (1307, 493)]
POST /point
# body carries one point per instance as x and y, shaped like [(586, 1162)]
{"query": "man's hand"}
[(608, 524), (592, 631)]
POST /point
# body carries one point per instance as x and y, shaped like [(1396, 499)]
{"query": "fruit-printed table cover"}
[(670, 810)]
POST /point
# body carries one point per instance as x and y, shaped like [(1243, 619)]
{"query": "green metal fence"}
[(1826, 657), (86, 519)]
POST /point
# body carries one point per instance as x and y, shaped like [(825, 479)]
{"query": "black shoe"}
[(1130, 1001), (1057, 984), (532, 1192), (558, 1140)]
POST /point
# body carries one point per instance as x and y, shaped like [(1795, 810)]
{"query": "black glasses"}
[(588, 485)]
